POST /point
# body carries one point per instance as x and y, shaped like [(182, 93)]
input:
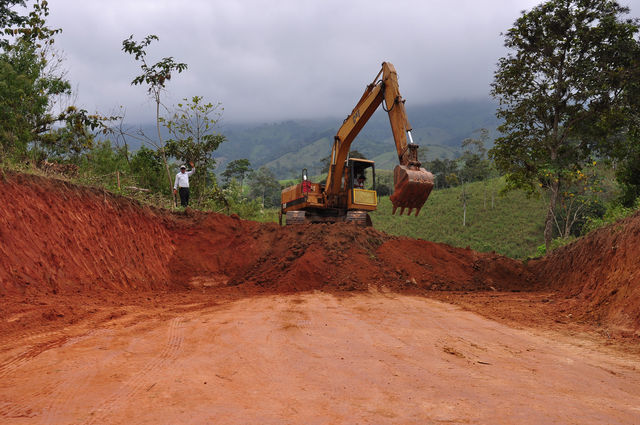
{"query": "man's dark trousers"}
[(184, 196)]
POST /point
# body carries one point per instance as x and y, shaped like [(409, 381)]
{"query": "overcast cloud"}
[(272, 60)]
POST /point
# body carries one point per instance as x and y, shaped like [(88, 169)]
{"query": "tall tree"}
[(10, 18), (264, 185), (31, 87), (476, 166), (568, 64), (237, 169), (194, 137), (155, 77)]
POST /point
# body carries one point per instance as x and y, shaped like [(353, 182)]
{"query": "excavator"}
[(343, 198)]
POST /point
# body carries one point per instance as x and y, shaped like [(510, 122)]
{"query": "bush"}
[(615, 211), (555, 244)]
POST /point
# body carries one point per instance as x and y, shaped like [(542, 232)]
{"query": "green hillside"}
[(289, 146), (388, 160), (512, 227)]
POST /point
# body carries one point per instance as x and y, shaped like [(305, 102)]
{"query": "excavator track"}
[(295, 217), (359, 218)]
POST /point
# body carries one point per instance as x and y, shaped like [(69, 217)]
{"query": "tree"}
[(476, 165), (567, 66), (194, 138), (263, 184), (32, 87), (10, 18), (237, 169), (445, 172), (156, 77), (579, 201), (624, 148), (147, 165), (464, 200)]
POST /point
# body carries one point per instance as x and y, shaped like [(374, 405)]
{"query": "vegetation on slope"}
[(509, 224)]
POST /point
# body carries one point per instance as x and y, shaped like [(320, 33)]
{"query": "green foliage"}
[(384, 182), (568, 64), (194, 139), (146, 164), (614, 211), (476, 165), (237, 169), (510, 225), (102, 159), (445, 172), (156, 77), (555, 244), (31, 84), (581, 198), (264, 186), (9, 18), (625, 150), (26, 89)]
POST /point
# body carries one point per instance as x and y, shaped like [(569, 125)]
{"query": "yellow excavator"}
[(344, 196)]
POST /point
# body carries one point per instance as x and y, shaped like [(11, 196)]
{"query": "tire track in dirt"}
[(15, 362), (66, 391), (22, 408), (15, 411), (140, 380)]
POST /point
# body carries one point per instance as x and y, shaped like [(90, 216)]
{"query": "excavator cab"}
[(361, 178)]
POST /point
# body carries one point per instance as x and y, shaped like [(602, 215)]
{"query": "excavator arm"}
[(412, 183)]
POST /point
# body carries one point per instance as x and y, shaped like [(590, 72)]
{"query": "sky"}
[(275, 60)]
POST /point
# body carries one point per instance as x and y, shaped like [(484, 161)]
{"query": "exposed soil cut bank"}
[(599, 274), (62, 238), (58, 238)]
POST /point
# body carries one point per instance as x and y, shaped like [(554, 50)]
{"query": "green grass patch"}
[(511, 225)]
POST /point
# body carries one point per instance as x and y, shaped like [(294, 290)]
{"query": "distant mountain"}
[(289, 146)]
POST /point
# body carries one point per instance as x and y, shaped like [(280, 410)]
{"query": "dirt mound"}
[(59, 237), (219, 250), (599, 274), (78, 241)]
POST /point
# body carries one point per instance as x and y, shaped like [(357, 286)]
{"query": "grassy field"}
[(513, 226)]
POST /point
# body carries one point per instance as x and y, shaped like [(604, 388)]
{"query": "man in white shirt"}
[(182, 184)]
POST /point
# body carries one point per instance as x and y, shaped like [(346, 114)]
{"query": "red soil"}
[(85, 244), (599, 275)]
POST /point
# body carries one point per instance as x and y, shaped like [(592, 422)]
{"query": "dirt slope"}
[(57, 237), (77, 241), (62, 238), (600, 274)]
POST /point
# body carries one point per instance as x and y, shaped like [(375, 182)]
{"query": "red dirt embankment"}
[(600, 274), (60, 238), (57, 237)]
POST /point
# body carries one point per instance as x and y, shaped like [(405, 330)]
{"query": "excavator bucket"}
[(412, 186)]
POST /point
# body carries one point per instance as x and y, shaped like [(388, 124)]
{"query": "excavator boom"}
[(344, 196), (412, 183)]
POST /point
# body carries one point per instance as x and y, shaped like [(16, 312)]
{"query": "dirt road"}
[(311, 358)]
